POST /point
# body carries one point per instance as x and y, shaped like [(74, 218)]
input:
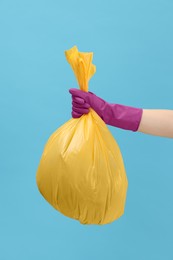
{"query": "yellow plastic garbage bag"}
[(81, 171)]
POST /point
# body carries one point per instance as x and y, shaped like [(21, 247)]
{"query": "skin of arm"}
[(157, 122)]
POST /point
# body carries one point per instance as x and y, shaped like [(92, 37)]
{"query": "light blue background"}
[(132, 43)]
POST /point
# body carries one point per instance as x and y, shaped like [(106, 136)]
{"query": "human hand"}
[(82, 101)]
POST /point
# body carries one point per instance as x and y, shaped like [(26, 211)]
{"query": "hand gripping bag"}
[(81, 172)]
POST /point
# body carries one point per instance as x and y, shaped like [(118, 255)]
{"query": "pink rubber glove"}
[(117, 115)]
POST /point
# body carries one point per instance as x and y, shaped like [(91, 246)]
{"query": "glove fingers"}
[(77, 105), (80, 110), (75, 115), (78, 93), (78, 100)]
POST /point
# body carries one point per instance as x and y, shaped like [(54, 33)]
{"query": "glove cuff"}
[(125, 117)]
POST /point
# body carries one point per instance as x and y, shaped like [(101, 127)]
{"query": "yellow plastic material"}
[(81, 171)]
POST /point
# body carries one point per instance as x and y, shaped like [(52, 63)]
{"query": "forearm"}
[(157, 122), (149, 121)]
